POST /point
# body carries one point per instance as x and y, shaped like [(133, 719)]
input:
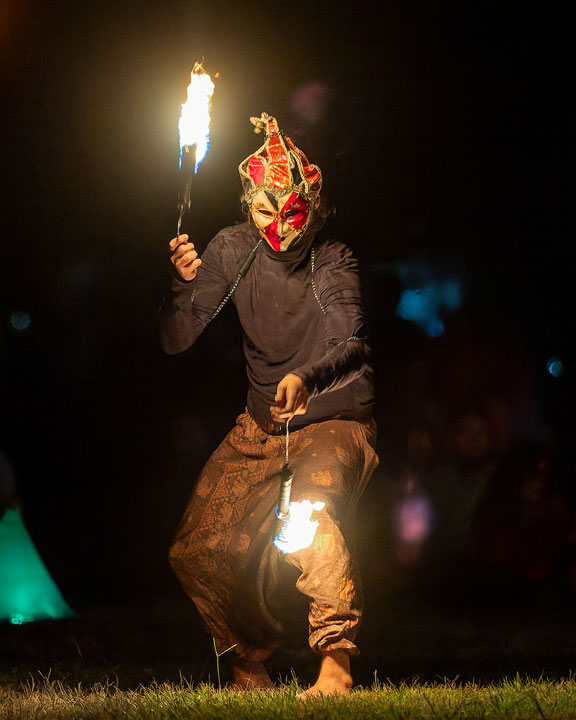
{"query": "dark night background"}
[(445, 131)]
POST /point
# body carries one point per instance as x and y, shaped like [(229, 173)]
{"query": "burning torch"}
[(194, 133)]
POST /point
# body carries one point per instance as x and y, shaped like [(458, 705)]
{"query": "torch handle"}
[(187, 170)]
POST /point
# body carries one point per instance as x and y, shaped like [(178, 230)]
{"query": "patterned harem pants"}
[(223, 553)]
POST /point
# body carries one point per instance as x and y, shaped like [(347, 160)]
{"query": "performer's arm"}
[(196, 291), (338, 292)]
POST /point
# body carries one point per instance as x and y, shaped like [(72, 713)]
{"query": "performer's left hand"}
[(292, 398)]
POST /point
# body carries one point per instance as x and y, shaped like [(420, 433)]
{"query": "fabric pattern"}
[(223, 553)]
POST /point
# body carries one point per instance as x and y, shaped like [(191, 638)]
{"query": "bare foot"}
[(250, 675), (334, 677)]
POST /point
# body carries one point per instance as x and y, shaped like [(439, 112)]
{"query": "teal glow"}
[(555, 367), (27, 592), (20, 320), (423, 307), (21, 619), (428, 293)]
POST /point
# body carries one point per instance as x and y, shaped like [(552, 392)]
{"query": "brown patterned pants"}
[(223, 553)]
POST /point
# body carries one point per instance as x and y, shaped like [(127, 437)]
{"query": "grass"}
[(141, 649), (515, 699)]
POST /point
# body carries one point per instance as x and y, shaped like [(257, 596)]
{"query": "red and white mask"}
[(280, 186), (281, 219)]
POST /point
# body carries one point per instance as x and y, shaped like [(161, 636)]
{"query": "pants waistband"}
[(273, 428)]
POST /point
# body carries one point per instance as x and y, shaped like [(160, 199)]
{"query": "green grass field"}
[(515, 699), (159, 664)]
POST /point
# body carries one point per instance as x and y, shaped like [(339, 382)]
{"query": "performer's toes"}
[(326, 687), (251, 676), (334, 677)]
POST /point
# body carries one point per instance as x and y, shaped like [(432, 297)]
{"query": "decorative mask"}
[(280, 186)]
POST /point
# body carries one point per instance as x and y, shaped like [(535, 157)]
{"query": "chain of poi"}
[(241, 273), (287, 441), (295, 530)]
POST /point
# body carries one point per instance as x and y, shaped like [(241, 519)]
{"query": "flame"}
[(298, 530), (194, 122)]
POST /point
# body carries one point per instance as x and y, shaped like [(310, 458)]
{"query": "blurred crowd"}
[(480, 509)]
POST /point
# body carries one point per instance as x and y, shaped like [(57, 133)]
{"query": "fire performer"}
[(298, 300)]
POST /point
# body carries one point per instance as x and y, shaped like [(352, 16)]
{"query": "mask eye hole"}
[(264, 212)]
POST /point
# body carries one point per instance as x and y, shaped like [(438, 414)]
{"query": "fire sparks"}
[(298, 530), (194, 122)]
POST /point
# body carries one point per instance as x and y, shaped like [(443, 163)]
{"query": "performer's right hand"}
[(184, 258)]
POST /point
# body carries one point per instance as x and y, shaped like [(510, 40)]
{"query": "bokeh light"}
[(555, 367), (20, 320), (424, 305), (27, 591), (414, 519)]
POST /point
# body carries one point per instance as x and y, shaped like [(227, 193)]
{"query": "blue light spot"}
[(555, 367), (422, 306), (435, 327), (411, 306), (427, 295), (452, 294), (19, 320)]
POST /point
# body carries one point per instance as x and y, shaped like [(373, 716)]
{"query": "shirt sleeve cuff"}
[(180, 286), (306, 378)]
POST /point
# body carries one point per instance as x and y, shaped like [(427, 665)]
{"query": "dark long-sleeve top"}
[(293, 320)]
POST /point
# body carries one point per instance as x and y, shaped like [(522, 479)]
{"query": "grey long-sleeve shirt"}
[(293, 320)]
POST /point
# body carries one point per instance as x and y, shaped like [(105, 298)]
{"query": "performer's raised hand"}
[(184, 258), (292, 398)]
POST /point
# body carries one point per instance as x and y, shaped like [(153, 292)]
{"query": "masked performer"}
[(308, 365)]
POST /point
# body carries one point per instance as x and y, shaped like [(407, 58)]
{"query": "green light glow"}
[(27, 592)]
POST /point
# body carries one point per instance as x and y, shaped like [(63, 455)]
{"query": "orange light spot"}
[(322, 477), (343, 455), (346, 591)]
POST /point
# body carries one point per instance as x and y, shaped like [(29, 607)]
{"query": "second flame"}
[(298, 530)]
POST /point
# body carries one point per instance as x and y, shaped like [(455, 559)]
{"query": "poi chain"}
[(287, 441)]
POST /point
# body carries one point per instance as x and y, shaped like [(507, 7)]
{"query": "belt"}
[(271, 428)]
